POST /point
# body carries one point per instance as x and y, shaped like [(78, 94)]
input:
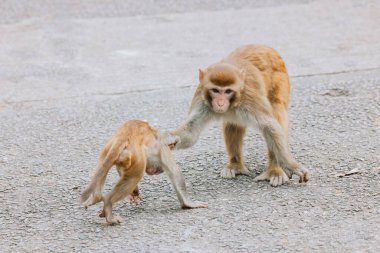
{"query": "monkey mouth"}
[(153, 171), (220, 110)]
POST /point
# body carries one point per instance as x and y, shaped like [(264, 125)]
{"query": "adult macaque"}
[(136, 148), (248, 88)]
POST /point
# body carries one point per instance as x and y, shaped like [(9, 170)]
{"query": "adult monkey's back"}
[(248, 88)]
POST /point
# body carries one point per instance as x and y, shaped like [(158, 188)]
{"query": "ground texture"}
[(71, 73)]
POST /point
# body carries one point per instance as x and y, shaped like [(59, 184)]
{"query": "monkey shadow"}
[(130, 215)]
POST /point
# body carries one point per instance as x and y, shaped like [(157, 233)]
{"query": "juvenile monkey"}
[(248, 88), (136, 148)]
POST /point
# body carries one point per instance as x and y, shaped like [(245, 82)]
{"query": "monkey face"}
[(221, 99), (221, 85)]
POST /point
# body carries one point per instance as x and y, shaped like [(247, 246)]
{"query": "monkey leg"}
[(176, 178), (281, 163), (233, 137), (135, 198), (124, 187), (178, 182), (95, 198), (274, 173)]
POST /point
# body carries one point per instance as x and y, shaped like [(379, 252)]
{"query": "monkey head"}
[(222, 86)]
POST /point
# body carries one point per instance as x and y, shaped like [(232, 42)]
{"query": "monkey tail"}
[(98, 180)]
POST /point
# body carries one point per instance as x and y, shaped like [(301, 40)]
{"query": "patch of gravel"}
[(50, 148)]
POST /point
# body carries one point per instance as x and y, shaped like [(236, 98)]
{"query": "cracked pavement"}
[(71, 73)]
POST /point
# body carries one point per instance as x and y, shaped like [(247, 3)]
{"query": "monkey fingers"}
[(110, 221), (227, 173), (303, 174), (276, 176), (288, 172), (135, 199), (114, 220), (278, 180), (305, 177), (95, 198), (174, 143)]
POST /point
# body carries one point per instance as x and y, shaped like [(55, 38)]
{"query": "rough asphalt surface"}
[(71, 73)]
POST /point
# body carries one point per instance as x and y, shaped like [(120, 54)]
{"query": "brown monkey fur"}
[(250, 87), (136, 148)]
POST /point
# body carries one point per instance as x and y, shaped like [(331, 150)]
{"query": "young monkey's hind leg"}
[(93, 192), (124, 187)]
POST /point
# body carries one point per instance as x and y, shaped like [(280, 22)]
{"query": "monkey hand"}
[(303, 174), (169, 139), (194, 204), (172, 145), (175, 140), (135, 200)]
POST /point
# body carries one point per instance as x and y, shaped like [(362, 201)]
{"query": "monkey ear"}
[(201, 75)]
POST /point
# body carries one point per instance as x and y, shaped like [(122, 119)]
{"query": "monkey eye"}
[(215, 90), (228, 91)]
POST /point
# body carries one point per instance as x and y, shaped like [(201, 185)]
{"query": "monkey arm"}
[(191, 129), (176, 177), (277, 143), (174, 174)]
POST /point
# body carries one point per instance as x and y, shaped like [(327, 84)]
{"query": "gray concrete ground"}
[(71, 72)]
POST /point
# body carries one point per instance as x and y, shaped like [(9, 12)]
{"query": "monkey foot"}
[(275, 179), (92, 200), (228, 172), (303, 174), (135, 199), (114, 220), (194, 204)]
